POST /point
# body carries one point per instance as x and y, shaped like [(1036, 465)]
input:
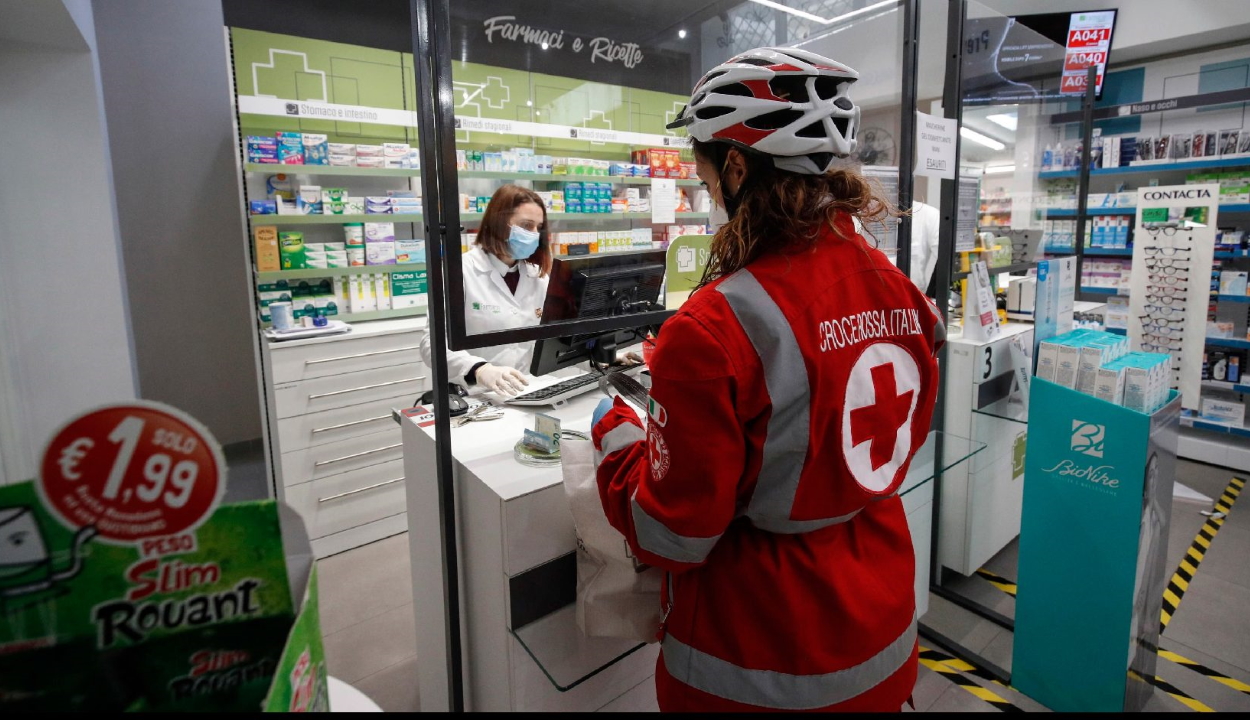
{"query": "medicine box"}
[(1109, 382), (1223, 411)]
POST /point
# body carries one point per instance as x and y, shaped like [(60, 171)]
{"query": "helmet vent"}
[(828, 87), (790, 87), (708, 113), (841, 124), (815, 130), (754, 61), (734, 89), (773, 120)]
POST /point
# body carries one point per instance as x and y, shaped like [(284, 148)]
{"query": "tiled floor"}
[(369, 627)]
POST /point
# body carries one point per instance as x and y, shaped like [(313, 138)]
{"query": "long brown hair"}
[(493, 234), (779, 210)]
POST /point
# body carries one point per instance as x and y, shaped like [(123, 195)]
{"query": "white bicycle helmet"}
[(784, 102)]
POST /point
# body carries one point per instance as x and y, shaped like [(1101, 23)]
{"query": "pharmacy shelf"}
[(597, 217), (1108, 252), (476, 174), (1240, 161), (1000, 269), (1233, 298), (380, 315), (536, 177), (1224, 385), (1117, 331), (304, 273), (609, 253), (1219, 427), (271, 169), (1100, 290), (334, 219), (1231, 254), (1065, 212), (1229, 342)]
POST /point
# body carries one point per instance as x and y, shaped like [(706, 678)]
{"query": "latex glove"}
[(604, 406), (503, 380)]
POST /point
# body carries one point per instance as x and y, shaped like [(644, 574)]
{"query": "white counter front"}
[(521, 645)]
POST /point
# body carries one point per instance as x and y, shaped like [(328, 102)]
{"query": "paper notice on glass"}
[(935, 146), (663, 201)]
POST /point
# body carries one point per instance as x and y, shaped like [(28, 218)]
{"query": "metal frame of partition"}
[(952, 105), (431, 31)]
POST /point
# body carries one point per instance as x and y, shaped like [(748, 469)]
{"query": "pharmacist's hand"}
[(503, 380)]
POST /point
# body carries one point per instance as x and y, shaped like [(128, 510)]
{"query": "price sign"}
[(132, 471)]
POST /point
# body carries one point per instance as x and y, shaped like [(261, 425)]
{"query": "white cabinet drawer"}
[(337, 391), (305, 431), (538, 527), (303, 362), (300, 466), (347, 500)]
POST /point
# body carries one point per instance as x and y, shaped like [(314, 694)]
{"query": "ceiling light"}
[(545, 46), (977, 137), (819, 19), (529, 103), (1004, 119), (681, 34), (993, 169)]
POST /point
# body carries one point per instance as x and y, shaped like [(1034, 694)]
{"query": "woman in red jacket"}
[(788, 397)]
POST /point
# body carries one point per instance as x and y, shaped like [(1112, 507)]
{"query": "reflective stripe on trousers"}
[(781, 691), (789, 426)]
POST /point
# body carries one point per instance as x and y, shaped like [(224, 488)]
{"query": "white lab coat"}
[(490, 306), (925, 227)]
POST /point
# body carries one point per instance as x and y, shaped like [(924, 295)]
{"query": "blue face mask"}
[(522, 243)]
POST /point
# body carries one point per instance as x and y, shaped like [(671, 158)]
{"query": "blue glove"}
[(604, 406)]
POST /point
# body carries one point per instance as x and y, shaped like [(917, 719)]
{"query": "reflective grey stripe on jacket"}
[(653, 536), (789, 427), (618, 438), (781, 691)]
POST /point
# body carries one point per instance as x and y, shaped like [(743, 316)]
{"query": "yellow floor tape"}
[(1197, 550), (953, 669)]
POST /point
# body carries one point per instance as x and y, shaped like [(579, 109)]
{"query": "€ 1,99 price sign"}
[(132, 471)]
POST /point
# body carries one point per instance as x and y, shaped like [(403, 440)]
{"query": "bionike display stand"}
[(1093, 540)]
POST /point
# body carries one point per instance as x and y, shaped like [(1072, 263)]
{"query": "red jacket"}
[(786, 404)]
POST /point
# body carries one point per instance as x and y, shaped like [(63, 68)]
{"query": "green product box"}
[(204, 621), (291, 250)]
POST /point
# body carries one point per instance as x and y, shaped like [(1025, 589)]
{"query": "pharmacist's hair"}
[(782, 211), (493, 234)]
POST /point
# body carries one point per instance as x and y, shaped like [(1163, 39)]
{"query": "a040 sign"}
[(132, 471)]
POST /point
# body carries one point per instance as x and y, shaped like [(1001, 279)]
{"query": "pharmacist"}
[(505, 285)]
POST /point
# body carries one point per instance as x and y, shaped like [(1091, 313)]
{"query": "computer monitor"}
[(597, 287)]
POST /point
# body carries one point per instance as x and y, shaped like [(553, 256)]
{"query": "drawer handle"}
[(360, 490), (366, 387), (360, 355), (354, 422), (356, 455)]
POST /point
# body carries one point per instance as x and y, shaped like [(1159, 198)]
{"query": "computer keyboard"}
[(559, 393)]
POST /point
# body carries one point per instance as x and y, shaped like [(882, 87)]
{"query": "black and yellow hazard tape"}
[(1185, 572), (1197, 667), (1176, 693), (998, 581), (954, 669), (1009, 587)]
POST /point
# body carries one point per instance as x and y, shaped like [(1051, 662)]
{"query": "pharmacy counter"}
[(522, 648)]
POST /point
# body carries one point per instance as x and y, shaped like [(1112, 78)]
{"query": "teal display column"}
[(1093, 540)]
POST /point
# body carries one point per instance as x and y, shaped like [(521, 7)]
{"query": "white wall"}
[(167, 90), (65, 342)]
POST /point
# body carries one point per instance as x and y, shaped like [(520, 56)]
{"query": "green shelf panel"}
[(335, 272), (333, 219), (331, 170)]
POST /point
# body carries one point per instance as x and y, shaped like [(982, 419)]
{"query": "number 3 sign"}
[(132, 471)]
